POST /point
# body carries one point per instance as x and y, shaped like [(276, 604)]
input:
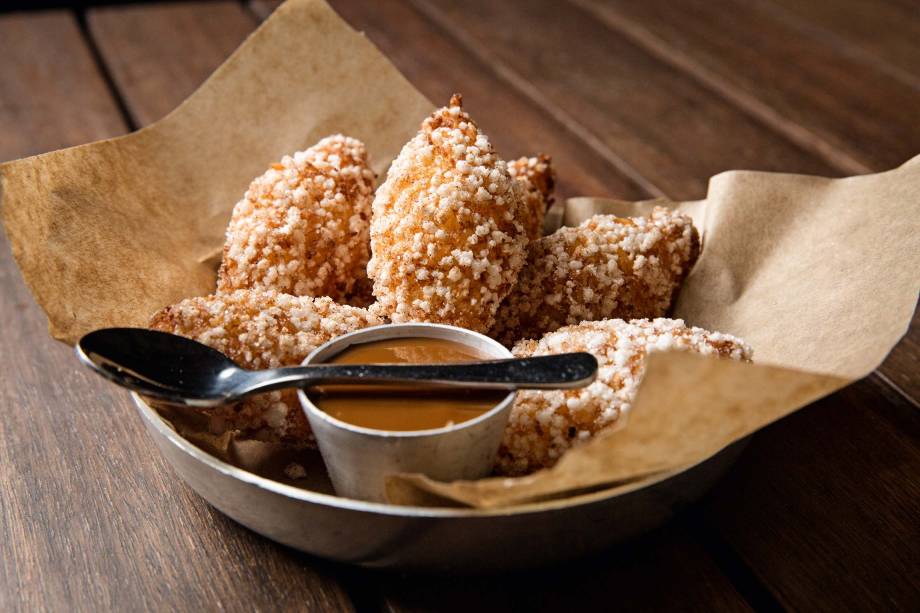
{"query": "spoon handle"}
[(560, 371)]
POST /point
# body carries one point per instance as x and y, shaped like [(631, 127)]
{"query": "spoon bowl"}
[(161, 365)]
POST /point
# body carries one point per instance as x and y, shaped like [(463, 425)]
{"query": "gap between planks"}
[(130, 121), (747, 103), (521, 84), (839, 43)]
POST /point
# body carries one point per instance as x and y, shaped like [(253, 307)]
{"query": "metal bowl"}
[(435, 540)]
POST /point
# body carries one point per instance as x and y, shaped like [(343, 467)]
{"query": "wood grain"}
[(51, 94), (91, 518), (902, 366), (438, 66), (885, 31), (663, 571), (847, 110), (822, 508), (158, 54), (671, 129), (830, 523)]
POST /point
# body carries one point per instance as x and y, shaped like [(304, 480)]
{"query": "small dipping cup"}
[(359, 460)]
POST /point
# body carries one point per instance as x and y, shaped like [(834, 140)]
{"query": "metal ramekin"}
[(359, 459)]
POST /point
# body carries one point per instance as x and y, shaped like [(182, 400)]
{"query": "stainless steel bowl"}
[(436, 540)]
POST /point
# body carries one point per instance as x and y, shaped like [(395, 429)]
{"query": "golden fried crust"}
[(606, 267), (445, 240), (538, 178), (303, 227), (544, 424), (260, 330)]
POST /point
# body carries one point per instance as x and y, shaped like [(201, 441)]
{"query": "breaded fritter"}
[(538, 179), (303, 227), (629, 268), (545, 424), (258, 330), (445, 240)]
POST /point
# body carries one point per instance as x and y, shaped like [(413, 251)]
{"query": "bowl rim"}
[(165, 429)]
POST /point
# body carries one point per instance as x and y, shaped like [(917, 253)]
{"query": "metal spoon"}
[(182, 371)]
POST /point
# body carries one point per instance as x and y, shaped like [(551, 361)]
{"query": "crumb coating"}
[(538, 179), (445, 240), (303, 227), (628, 268), (258, 330), (545, 424)]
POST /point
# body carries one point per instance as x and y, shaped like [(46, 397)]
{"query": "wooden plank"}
[(438, 66), (847, 110), (158, 54), (51, 94), (124, 36), (829, 523), (674, 131), (90, 517), (93, 519), (901, 366), (886, 31), (903, 363), (291, 569), (664, 571)]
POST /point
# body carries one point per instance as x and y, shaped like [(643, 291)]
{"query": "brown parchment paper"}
[(819, 275), (689, 408), (107, 233)]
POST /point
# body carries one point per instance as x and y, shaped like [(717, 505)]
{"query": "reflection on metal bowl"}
[(434, 540)]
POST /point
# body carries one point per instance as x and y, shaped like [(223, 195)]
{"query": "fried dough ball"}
[(257, 330), (303, 227), (545, 424), (538, 178), (446, 244), (606, 267)]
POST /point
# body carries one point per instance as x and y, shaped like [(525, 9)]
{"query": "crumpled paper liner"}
[(689, 408), (819, 275), (266, 459), (107, 233)]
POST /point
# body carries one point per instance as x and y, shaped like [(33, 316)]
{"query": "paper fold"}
[(107, 233)]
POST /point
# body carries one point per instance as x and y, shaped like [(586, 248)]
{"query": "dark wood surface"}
[(633, 99)]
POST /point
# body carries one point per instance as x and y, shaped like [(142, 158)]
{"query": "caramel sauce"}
[(403, 408)]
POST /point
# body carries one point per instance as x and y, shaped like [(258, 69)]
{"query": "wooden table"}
[(633, 98)]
